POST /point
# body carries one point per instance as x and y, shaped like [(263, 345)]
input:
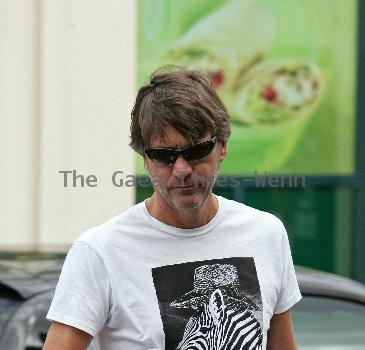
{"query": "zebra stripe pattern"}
[(220, 327)]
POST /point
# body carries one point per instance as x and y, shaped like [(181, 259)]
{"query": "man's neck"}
[(164, 212)]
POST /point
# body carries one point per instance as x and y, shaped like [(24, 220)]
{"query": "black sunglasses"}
[(190, 153)]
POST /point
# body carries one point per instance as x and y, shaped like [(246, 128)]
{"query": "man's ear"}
[(224, 150)]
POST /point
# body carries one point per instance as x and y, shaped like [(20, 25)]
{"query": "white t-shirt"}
[(136, 283)]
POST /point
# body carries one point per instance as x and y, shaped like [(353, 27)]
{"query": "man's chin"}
[(187, 202)]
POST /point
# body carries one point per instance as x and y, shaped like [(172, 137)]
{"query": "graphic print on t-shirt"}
[(211, 304)]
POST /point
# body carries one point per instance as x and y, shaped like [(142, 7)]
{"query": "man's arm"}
[(63, 337), (280, 335)]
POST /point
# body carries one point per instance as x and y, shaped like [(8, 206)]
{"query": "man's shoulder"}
[(247, 213), (103, 232)]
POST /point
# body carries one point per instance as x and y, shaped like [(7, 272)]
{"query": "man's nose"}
[(182, 167)]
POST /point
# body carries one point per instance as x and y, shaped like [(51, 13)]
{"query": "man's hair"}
[(183, 99)]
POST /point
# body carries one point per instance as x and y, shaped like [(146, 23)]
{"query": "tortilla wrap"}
[(225, 43)]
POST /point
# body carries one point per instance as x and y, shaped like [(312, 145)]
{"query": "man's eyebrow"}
[(168, 146), (163, 143)]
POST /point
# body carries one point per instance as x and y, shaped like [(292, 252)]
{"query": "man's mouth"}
[(180, 187)]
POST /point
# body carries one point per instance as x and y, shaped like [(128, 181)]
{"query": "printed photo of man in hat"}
[(220, 305), (222, 311)]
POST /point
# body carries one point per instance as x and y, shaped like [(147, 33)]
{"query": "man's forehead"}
[(171, 138)]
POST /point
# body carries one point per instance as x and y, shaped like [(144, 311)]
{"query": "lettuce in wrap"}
[(276, 91)]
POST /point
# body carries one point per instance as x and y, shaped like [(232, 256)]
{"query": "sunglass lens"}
[(198, 151), (163, 156)]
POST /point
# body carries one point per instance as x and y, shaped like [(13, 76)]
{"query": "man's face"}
[(184, 185)]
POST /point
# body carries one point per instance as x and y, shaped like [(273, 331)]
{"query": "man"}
[(185, 269)]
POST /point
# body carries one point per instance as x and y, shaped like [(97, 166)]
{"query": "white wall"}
[(67, 72)]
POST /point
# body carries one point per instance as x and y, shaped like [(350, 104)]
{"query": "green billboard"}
[(284, 69)]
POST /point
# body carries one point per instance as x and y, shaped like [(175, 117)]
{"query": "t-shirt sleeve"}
[(82, 296), (289, 294)]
